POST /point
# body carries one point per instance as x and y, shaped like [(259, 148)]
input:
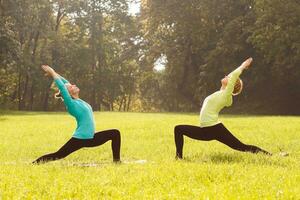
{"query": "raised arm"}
[(60, 82), (234, 75), (45, 68), (63, 79)]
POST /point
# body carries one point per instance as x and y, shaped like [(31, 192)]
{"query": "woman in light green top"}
[(210, 127)]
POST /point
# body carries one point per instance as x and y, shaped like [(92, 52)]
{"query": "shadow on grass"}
[(59, 164), (69, 164), (3, 118), (234, 158), (216, 158), (104, 163), (87, 165), (226, 158)]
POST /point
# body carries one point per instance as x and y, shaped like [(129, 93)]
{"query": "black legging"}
[(217, 132), (74, 144)]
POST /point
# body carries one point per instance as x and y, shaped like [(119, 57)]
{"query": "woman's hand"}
[(246, 64), (48, 70)]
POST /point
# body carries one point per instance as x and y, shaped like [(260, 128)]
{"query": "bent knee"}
[(116, 133), (177, 129)]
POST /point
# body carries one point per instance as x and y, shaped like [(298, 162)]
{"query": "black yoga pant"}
[(74, 144), (217, 132)]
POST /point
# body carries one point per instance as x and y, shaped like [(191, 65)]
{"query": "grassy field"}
[(210, 170)]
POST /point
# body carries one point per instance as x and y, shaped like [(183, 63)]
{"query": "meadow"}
[(210, 170)]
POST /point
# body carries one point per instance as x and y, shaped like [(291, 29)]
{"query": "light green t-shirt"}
[(215, 102)]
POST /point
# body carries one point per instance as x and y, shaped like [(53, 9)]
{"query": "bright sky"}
[(160, 63), (134, 7)]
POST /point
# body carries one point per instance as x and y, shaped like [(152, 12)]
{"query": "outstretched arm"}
[(46, 69), (49, 71), (246, 64), (233, 76), (60, 82), (63, 79)]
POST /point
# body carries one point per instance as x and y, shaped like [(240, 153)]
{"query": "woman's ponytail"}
[(58, 95)]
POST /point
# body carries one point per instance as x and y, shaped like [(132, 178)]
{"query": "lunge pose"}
[(84, 135), (210, 127)]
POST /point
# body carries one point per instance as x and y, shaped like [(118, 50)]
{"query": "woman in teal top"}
[(84, 135), (210, 127)]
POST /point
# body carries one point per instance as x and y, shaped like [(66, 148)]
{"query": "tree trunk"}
[(128, 103), (19, 92), (36, 38), (46, 97), (1, 8), (31, 96), (111, 106), (187, 66), (24, 95), (60, 15), (122, 102)]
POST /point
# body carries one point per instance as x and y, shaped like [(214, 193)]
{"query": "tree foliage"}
[(89, 42), (110, 54), (204, 40)]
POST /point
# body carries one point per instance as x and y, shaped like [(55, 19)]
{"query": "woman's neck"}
[(75, 96), (222, 87)]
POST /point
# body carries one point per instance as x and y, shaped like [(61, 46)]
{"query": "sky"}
[(134, 7)]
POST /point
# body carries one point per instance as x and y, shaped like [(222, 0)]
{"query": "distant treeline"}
[(111, 54)]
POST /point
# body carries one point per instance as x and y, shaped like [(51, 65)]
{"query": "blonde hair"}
[(238, 87), (58, 95)]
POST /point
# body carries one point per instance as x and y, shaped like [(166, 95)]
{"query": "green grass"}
[(210, 170)]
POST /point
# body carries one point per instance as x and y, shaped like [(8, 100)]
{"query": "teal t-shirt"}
[(215, 102), (79, 109)]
